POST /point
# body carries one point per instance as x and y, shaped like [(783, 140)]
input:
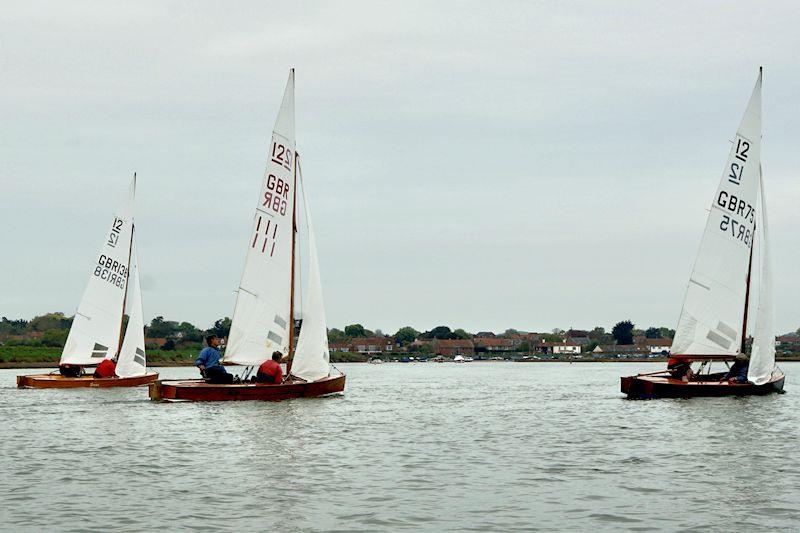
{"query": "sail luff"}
[(294, 251), (130, 251), (132, 359), (260, 323), (711, 318), (762, 358), (312, 357)]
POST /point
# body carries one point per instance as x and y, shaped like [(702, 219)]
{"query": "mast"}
[(747, 290), (294, 240), (127, 279)]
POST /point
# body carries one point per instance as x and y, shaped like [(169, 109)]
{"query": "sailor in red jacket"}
[(105, 369), (270, 371)]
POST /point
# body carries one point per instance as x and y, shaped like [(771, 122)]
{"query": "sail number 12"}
[(116, 229), (737, 167)]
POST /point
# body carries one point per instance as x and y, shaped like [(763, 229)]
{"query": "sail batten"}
[(261, 315), (711, 319)]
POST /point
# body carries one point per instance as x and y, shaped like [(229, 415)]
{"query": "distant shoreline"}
[(175, 364)]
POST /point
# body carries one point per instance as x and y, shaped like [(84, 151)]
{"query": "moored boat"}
[(97, 328), (264, 315), (713, 323)]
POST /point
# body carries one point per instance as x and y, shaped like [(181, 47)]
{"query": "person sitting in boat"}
[(680, 368), (270, 370), (70, 371), (209, 362), (737, 373), (107, 368)]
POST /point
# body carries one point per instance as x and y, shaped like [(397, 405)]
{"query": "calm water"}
[(429, 447)]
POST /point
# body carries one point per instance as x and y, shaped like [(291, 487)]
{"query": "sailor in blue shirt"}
[(208, 362)]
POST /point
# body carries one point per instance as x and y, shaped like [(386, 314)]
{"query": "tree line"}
[(51, 330)]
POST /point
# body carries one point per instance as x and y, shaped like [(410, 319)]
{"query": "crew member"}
[(680, 368), (70, 371), (738, 370), (270, 370), (105, 369), (208, 362)]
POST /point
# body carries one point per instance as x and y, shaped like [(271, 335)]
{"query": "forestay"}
[(311, 358), (762, 358), (95, 330), (132, 360), (712, 317), (261, 317)]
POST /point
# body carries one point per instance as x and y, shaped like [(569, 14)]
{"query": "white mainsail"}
[(261, 321), (95, 330), (132, 360), (311, 359), (712, 316), (762, 358)]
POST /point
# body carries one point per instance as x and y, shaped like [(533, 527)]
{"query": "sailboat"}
[(713, 323), (264, 315), (97, 328)]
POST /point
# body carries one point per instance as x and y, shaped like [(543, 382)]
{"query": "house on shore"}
[(453, 347), (372, 345), (658, 346), (496, 344), (565, 347)]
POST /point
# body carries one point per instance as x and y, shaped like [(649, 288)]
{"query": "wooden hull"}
[(57, 381), (199, 391), (645, 387)]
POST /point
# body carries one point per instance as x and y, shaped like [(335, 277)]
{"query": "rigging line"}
[(300, 255)]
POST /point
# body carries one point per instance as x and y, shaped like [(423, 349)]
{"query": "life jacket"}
[(105, 369), (273, 369)]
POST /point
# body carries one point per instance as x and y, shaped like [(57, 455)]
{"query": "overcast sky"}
[(482, 165)]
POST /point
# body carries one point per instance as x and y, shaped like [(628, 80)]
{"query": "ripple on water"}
[(477, 447)]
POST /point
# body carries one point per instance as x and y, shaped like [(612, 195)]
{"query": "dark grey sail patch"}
[(718, 339), (726, 330), (706, 287), (139, 356), (99, 351), (274, 337), (280, 321)]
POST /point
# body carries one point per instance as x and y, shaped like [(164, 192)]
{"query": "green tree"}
[(221, 327), (439, 332), (623, 332), (12, 327), (524, 347), (190, 332), (667, 333), (653, 333), (160, 328), (425, 349), (406, 335), (49, 321), (355, 330), (461, 334), (55, 337), (336, 335)]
